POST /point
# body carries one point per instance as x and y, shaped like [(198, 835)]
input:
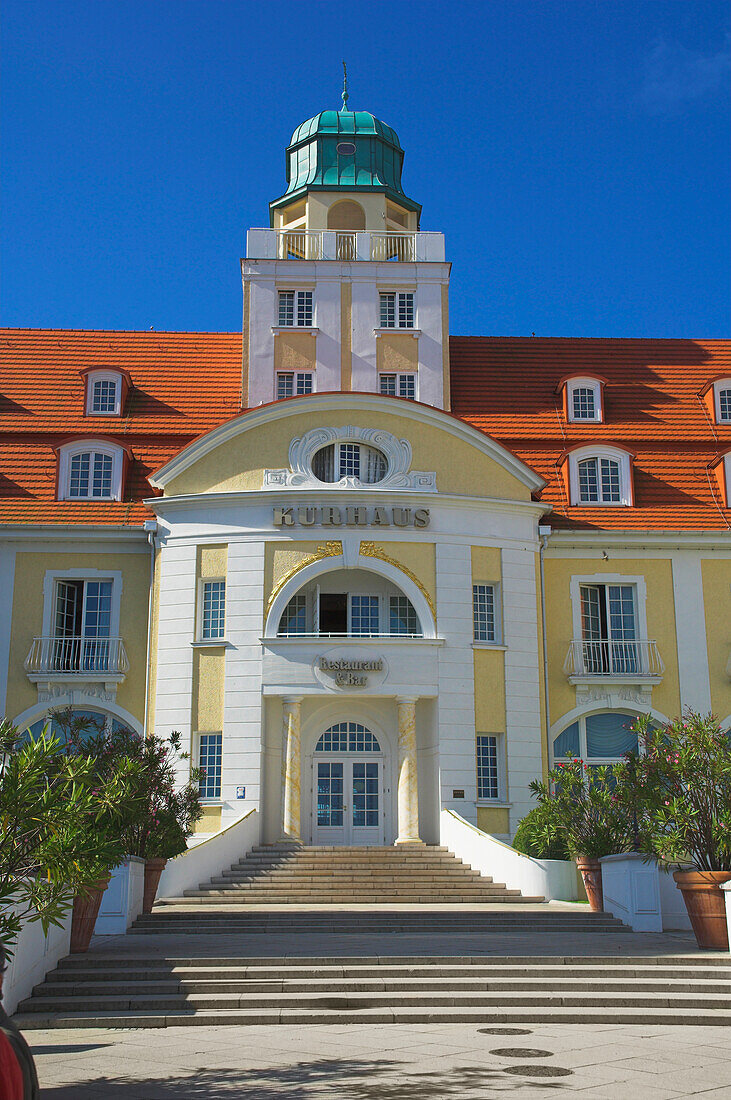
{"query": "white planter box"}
[(34, 956), (641, 895), (727, 898), (122, 900)]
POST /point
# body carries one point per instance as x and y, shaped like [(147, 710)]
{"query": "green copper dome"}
[(344, 151)]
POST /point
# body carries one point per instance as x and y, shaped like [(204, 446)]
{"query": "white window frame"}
[(639, 584), (500, 798), (400, 376), (625, 478), (498, 616), (588, 384), (49, 594), (371, 595), (208, 800), (727, 479), (718, 387), (200, 640), (95, 446), (296, 291), (397, 295), (296, 375), (103, 376)]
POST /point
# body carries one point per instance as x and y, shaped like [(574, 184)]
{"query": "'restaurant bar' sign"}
[(315, 515)]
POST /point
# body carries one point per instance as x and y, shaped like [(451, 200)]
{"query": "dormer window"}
[(355, 460), (599, 476), (106, 391), (584, 400), (722, 394), (90, 470)]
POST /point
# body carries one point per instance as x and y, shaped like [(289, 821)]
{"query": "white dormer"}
[(106, 391)]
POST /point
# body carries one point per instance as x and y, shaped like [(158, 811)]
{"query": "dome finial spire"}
[(345, 87)]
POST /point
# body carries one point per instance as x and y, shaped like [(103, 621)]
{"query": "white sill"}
[(279, 329), (601, 504), (206, 643), (397, 331), (489, 645), (91, 412)]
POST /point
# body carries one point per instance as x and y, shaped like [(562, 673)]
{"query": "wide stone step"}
[(483, 1016)]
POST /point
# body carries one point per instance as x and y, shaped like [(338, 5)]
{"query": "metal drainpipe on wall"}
[(151, 529), (544, 532)]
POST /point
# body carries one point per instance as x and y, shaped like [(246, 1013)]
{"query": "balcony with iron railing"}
[(90, 658), (613, 659), (346, 246)]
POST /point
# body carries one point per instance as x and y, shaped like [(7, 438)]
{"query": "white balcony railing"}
[(331, 244), (613, 658), (77, 655)]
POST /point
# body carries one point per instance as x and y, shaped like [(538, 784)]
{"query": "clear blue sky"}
[(577, 153)]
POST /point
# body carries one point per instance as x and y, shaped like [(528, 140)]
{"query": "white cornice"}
[(318, 403), (253, 497), (57, 532), (684, 540)]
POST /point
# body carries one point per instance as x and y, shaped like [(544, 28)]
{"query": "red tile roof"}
[(186, 383), (506, 387)]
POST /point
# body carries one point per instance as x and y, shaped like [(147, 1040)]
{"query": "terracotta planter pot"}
[(83, 918), (706, 907), (153, 869), (591, 873)]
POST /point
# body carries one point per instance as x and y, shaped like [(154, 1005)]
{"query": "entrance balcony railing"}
[(304, 636), (609, 657), (77, 655), (335, 244)]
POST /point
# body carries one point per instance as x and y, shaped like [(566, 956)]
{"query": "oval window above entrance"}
[(355, 460), (347, 737)]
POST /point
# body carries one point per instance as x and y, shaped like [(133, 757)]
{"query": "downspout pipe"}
[(543, 532), (151, 529)]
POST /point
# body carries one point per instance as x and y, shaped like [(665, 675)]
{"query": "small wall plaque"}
[(457, 794), (241, 792)]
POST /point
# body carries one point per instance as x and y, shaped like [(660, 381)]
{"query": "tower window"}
[(295, 309), (397, 310), (345, 148), (398, 385), (294, 383)]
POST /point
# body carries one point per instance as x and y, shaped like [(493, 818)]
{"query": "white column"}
[(690, 630), (408, 788), (291, 767)]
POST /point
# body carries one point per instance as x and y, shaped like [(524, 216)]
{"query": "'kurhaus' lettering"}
[(308, 515)]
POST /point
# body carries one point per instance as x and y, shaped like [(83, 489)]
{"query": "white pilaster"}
[(522, 688), (176, 619), (456, 702), (690, 630), (242, 710)]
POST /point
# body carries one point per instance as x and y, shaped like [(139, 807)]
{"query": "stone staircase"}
[(292, 874), (106, 990)]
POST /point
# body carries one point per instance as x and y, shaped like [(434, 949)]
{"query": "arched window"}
[(722, 393), (355, 460), (65, 719), (90, 470), (346, 215), (600, 475), (584, 400), (350, 603), (597, 739), (347, 737)]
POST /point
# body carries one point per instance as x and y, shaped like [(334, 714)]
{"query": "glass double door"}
[(347, 800)]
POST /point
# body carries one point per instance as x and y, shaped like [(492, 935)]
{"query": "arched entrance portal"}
[(348, 790)]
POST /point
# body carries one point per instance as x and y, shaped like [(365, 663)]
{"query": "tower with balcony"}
[(344, 291)]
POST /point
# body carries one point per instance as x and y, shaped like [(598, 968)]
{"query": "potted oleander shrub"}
[(59, 832), (164, 810), (682, 781), (585, 810)]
